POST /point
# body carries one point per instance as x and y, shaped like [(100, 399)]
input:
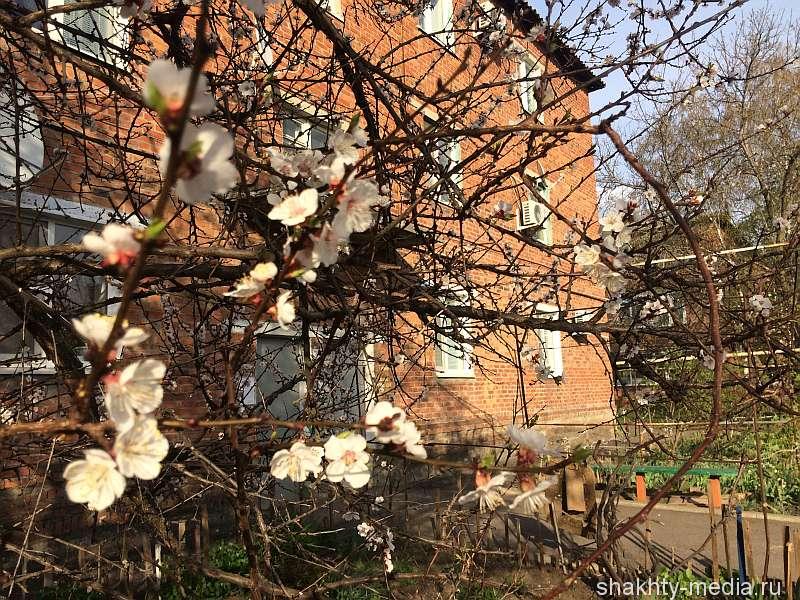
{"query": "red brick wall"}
[(494, 396)]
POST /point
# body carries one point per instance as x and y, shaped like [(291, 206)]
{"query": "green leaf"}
[(155, 229)]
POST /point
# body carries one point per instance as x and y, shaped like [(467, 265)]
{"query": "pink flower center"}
[(350, 457)]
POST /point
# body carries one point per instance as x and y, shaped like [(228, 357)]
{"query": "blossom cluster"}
[(605, 262), (131, 396), (376, 539), (346, 453), (304, 187), (487, 493)]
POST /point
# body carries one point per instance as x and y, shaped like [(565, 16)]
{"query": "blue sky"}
[(616, 83)]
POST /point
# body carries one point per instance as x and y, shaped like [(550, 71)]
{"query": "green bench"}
[(712, 473)]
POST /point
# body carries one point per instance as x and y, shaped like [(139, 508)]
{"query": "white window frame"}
[(265, 56), (542, 220), (306, 124), (550, 348), (51, 210), (491, 17), (529, 71), (24, 120), (334, 7), (451, 150), (118, 39), (437, 21), (465, 368)]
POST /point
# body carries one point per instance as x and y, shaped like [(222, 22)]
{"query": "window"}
[(342, 382), (446, 154), (436, 20), (302, 133), (98, 32), (263, 56), (490, 23), (332, 6), (529, 78), (549, 343), (452, 351), (533, 217), (70, 294), (22, 120)]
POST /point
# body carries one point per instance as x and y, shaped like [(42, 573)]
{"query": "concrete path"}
[(678, 531)]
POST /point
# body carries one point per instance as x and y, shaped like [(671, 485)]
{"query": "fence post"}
[(725, 538), (740, 546), (788, 575), (712, 516), (147, 554), (554, 522)]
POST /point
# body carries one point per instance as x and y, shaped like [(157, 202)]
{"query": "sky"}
[(617, 84)]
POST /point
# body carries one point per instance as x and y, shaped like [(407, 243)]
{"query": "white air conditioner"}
[(491, 17), (529, 212)]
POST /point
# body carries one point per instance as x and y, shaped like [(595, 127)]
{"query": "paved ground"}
[(680, 530)]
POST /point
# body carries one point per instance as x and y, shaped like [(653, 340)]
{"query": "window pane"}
[(12, 338), (18, 117), (86, 30), (292, 130), (318, 138), (74, 292)]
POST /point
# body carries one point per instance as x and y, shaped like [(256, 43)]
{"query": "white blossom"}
[(165, 90), (609, 279), (408, 432), (284, 310), (587, 256), (326, 246), (281, 163), (529, 501), (295, 209), (388, 565), (205, 166), (531, 439), (246, 89), (708, 359), (761, 304), (347, 460), (136, 389), (140, 450), (365, 530), (343, 145), (652, 308), (306, 162), (94, 480), (96, 329), (117, 244), (486, 494), (257, 6), (254, 283), (613, 306), (612, 221), (297, 462), (355, 204), (384, 420), (134, 9)]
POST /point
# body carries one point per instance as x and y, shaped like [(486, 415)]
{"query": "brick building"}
[(82, 136)]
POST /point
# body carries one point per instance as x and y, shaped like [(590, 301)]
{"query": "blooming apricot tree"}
[(252, 259)]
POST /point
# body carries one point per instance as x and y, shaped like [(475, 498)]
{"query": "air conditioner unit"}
[(529, 213), (491, 17)]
